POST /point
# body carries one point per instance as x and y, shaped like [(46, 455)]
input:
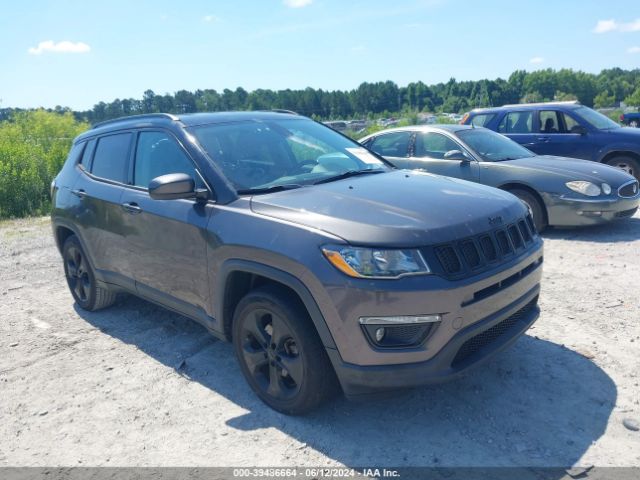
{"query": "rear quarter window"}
[(482, 119), (111, 157)]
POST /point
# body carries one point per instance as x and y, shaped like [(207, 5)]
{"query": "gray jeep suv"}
[(324, 265)]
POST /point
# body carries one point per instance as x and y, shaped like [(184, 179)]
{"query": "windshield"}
[(491, 146), (263, 156), (595, 119)]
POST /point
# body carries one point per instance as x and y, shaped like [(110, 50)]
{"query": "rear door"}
[(519, 127), (99, 216), (428, 154), (166, 238)]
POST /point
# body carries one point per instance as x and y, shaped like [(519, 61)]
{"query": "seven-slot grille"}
[(629, 190), (470, 255)]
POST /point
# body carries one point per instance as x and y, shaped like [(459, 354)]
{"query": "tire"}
[(537, 209), (634, 123), (626, 163), (81, 279), (280, 353)]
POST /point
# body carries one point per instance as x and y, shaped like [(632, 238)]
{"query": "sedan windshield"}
[(491, 146), (267, 156), (595, 119)]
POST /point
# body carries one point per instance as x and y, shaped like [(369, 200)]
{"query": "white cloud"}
[(536, 60), (297, 3), (209, 18), (633, 50), (605, 26), (61, 47)]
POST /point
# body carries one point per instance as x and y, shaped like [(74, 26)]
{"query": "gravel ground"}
[(136, 385)]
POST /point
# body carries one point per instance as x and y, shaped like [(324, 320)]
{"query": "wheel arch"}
[(237, 277), (521, 186), (619, 153)]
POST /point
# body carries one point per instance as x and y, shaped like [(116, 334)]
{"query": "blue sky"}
[(117, 49)]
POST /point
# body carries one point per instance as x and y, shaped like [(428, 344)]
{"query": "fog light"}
[(380, 334), (399, 319)]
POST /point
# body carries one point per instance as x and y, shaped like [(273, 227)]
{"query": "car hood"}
[(574, 169), (400, 208)]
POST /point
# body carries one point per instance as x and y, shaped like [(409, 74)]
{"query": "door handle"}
[(79, 193), (543, 139), (131, 207)]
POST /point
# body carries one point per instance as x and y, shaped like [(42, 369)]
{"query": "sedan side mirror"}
[(579, 130), (456, 155), (172, 186)]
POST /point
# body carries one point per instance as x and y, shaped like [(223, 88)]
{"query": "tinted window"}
[(85, 161), (434, 145), (549, 122), (569, 123), (517, 122), (394, 144), (482, 119), (110, 159), (282, 152), (158, 154)]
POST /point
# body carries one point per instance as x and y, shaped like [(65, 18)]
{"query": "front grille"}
[(448, 259), (472, 255), (626, 213), (503, 241), (488, 248), (629, 190), (477, 342)]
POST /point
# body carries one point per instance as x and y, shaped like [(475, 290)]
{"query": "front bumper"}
[(576, 212), (469, 348)]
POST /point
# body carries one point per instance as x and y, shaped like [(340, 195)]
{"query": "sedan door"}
[(429, 154), (167, 238)]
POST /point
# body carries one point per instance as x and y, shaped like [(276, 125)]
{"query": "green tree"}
[(633, 99)]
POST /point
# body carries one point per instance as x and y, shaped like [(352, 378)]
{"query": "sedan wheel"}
[(535, 206), (634, 123)]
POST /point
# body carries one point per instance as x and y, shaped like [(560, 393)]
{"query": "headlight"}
[(606, 188), (586, 188), (374, 262)]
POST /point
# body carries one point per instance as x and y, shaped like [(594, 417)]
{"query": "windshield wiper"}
[(347, 174), (273, 188)]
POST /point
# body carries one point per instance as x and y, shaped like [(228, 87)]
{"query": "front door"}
[(167, 238)]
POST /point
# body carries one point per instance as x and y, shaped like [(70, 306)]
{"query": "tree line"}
[(606, 89)]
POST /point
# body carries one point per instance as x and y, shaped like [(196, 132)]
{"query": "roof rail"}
[(282, 110), (144, 116), (567, 102)]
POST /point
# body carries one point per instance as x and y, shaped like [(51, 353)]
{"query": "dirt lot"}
[(137, 385)]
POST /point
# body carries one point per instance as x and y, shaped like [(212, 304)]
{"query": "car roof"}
[(527, 106), (447, 127), (186, 120)]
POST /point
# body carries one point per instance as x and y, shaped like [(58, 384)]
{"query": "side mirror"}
[(456, 155), (172, 186), (579, 129)]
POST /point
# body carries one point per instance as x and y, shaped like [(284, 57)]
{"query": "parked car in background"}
[(631, 119), (337, 125), (567, 129), (291, 241), (558, 191)]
